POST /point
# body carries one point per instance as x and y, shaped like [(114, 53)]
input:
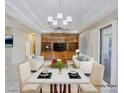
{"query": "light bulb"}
[(59, 15), (55, 23), (65, 22), (69, 18), (50, 19)]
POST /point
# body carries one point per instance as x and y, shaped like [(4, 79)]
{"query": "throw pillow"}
[(85, 58), (80, 58)]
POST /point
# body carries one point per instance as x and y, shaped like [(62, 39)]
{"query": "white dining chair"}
[(96, 79), (24, 74)]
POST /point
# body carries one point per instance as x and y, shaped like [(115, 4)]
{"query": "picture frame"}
[(8, 41)]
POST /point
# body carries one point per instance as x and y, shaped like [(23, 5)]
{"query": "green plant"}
[(59, 65)]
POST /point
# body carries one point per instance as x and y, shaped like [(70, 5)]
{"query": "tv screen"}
[(59, 46), (9, 41)]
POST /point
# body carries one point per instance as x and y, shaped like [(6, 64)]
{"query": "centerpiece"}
[(59, 64)]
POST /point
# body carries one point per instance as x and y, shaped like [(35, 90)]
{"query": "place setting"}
[(74, 75), (45, 75)]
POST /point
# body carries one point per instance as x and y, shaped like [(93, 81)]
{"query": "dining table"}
[(57, 78)]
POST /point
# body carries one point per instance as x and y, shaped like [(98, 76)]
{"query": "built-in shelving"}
[(47, 41)]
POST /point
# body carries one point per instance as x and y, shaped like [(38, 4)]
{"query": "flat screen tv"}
[(59, 46), (9, 41)]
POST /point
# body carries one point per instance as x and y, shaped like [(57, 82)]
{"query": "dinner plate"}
[(44, 74), (73, 72)]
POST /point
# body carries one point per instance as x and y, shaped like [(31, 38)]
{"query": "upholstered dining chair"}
[(96, 79), (24, 74)]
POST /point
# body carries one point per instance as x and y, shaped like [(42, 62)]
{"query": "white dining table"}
[(57, 78)]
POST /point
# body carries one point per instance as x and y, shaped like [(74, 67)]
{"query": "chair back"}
[(24, 73), (97, 74)]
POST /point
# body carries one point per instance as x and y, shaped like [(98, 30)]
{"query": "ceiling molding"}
[(106, 19), (22, 14), (106, 14), (34, 29), (31, 12), (10, 22)]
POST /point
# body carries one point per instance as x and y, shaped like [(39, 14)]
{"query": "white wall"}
[(83, 43), (93, 35), (114, 66), (19, 50), (94, 44), (38, 44), (92, 41), (8, 51)]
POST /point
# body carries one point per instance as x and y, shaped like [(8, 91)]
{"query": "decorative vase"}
[(60, 70)]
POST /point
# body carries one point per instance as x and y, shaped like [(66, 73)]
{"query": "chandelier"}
[(59, 22)]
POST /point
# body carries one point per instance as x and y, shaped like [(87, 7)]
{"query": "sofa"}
[(36, 62), (83, 62)]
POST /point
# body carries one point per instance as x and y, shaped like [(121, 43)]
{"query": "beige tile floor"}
[(12, 84)]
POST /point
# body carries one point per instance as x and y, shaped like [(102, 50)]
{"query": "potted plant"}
[(59, 65)]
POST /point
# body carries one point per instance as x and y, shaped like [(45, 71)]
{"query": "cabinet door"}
[(64, 55), (43, 54), (48, 55)]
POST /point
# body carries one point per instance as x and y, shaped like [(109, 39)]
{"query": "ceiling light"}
[(59, 22)]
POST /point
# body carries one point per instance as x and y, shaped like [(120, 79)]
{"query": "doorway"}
[(106, 51)]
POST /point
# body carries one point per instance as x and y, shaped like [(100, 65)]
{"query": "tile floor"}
[(12, 84)]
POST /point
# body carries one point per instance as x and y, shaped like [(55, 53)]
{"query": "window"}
[(106, 51)]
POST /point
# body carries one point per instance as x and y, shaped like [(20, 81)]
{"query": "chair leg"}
[(69, 88), (64, 89), (55, 88), (60, 88), (40, 90), (78, 90), (51, 88)]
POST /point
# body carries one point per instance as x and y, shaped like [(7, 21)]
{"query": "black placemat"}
[(74, 77), (44, 77)]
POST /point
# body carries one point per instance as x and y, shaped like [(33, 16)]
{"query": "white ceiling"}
[(34, 13)]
